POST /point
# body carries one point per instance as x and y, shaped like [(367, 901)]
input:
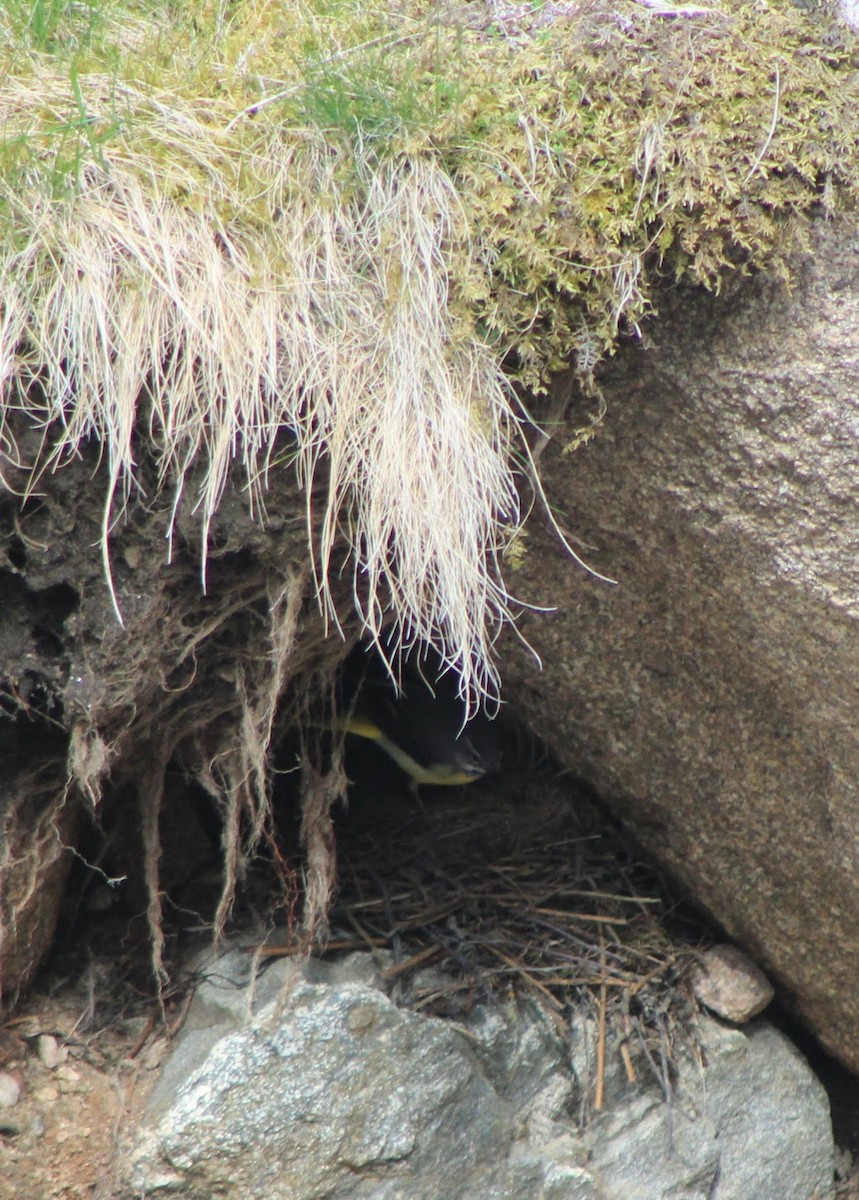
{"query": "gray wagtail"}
[(424, 732)]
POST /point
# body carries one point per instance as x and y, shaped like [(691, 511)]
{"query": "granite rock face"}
[(710, 697), (320, 1087)]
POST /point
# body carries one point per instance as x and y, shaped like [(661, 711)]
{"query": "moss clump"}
[(627, 147)]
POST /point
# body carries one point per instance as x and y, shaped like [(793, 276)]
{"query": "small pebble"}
[(46, 1094), (726, 981), (72, 1087), (10, 1090), (154, 1054), (49, 1050)]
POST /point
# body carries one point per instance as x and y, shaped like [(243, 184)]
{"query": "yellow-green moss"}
[(624, 146)]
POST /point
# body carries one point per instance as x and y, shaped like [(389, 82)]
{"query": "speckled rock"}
[(710, 697), (318, 1087), (729, 984)]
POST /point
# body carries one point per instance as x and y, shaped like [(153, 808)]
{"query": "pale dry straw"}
[(219, 288)]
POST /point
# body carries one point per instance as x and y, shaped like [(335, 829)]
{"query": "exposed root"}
[(88, 761), (150, 791), (259, 707), (319, 793), (38, 824)]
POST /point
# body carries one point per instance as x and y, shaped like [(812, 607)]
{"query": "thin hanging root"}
[(319, 794), (246, 767), (151, 796), (88, 761), (259, 701), (232, 852)]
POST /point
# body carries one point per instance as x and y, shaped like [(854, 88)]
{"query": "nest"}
[(518, 889)]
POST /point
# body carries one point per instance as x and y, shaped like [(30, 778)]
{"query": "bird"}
[(423, 729)]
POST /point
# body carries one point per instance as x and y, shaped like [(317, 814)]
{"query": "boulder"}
[(313, 1084), (710, 696)]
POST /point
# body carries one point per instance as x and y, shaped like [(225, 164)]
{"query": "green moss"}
[(641, 148)]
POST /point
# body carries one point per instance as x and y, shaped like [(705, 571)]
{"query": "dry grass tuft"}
[(132, 309)]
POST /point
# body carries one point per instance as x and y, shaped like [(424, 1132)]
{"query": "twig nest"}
[(727, 982)]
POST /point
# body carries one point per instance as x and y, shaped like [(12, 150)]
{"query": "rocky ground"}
[(67, 1094), (71, 1096), (433, 883)]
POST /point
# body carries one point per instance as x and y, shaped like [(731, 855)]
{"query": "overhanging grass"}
[(356, 224)]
